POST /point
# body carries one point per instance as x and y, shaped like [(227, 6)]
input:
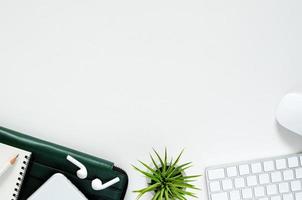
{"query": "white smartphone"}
[(57, 187)]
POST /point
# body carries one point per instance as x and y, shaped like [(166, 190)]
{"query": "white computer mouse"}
[(289, 112)]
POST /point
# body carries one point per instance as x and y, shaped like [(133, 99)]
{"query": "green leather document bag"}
[(48, 158)]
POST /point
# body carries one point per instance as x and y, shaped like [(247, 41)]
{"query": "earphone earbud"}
[(82, 172), (97, 184)]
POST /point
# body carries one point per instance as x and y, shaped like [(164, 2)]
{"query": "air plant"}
[(168, 180)]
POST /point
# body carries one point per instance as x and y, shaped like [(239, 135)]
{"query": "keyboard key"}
[(256, 168), (271, 189), (288, 197), (216, 174), (264, 178), (259, 191), (283, 188), (244, 169), (268, 166), (232, 171), (247, 193), (293, 162), (220, 196), (227, 184), (239, 182), (298, 195), (298, 172), (276, 176), (235, 195), (251, 180), (281, 164), (276, 198), (288, 175), (295, 185), (214, 186)]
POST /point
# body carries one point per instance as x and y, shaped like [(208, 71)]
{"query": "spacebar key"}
[(220, 196)]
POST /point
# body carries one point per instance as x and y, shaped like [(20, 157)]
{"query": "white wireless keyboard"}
[(278, 178)]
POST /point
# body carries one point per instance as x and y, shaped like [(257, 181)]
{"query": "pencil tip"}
[(14, 159)]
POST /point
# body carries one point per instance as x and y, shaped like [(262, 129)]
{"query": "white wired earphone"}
[(82, 172), (96, 184)]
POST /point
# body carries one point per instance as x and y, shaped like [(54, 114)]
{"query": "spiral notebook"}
[(11, 180)]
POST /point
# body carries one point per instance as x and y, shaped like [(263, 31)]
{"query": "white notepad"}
[(57, 187), (11, 180)]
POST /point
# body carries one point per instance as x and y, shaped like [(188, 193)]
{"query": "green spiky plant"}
[(167, 180)]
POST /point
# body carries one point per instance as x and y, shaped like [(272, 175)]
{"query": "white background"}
[(116, 78)]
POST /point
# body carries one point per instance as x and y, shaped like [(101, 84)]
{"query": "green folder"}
[(48, 158)]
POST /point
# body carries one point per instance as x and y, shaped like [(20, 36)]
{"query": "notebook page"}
[(11, 180)]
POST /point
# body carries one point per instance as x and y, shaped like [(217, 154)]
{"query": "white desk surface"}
[(115, 79)]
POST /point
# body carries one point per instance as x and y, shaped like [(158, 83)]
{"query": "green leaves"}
[(168, 180)]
